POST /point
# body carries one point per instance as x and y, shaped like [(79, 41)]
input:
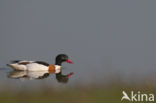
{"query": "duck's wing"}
[(24, 62), (42, 63), (21, 61)]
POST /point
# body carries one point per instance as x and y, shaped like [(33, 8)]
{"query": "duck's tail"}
[(14, 66)]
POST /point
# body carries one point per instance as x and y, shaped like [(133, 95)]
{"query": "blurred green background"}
[(90, 94)]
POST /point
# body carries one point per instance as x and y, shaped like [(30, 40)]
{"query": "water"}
[(72, 76), (32, 80)]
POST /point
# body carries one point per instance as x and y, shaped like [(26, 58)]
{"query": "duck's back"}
[(29, 65)]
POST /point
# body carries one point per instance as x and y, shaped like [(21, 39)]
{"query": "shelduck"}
[(39, 65)]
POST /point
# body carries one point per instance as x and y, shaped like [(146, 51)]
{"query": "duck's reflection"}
[(63, 78), (29, 75)]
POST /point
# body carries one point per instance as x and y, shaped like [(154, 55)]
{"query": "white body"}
[(32, 66), (36, 67)]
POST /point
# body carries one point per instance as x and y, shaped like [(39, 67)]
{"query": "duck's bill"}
[(68, 61)]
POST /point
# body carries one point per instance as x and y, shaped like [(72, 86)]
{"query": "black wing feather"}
[(15, 61), (43, 63)]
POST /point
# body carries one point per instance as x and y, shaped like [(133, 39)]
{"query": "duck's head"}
[(62, 58)]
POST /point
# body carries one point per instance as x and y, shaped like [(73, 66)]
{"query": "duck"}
[(25, 65)]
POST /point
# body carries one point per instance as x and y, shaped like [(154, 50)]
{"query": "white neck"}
[(57, 68)]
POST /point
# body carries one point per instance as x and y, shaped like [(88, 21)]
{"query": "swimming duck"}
[(39, 65)]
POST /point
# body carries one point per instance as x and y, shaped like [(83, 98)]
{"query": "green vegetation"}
[(109, 94)]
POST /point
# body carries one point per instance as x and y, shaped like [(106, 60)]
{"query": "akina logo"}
[(137, 96)]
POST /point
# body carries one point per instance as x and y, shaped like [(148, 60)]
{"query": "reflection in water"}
[(31, 75), (63, 78)]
